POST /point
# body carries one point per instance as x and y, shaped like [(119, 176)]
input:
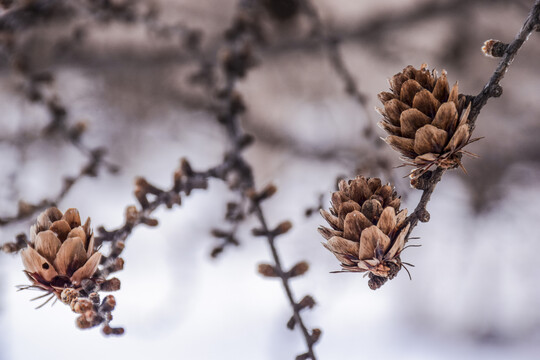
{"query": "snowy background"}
[(474, 292)]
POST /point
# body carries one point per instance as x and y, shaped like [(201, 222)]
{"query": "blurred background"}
[(139, 74)]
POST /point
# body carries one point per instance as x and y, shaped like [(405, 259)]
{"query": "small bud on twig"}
[(291, 323), (494, 48), (220, 233), (82, 323), (150, 221), (298, 269), (117, 249), (423, 215), (107, 330), (68, 295), (140, 192), (306, 302), (94, 297), (108, 304), (81, 305), (267, 270), (111, 285), (282, 228), (216, 251), (132, 215), (315, 335), (117, 265)]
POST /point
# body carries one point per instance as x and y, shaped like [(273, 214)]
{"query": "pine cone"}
[(368, 229), (427, 122), (61, 252)]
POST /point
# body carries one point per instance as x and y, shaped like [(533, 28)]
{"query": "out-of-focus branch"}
[(372, 29), (235, 63), (37, 88), (27, 210), (491, 89), (235, 59)]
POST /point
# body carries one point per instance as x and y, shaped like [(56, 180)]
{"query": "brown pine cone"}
[(427, 122), (61, 253), (368, 230)]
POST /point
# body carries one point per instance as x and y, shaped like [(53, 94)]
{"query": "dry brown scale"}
[(427, 122), (368, 229)]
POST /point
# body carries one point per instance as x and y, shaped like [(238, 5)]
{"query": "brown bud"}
[(376, 282), (220, 233), (81, 305), (216, 251), (82, 323), (315, 335), (267, 192), (107, 330), (88, 285), (306, 302), (423, 215), (94, 297), (141, 183), (186, 168), (267, 270), (91, 316), (108, 304), (298, 269), (117, 266), (494, 48), (118, 247), (10, 247), (150, 221), (111, 285), (283, 228), (291, 323), (140, 194), (177, 180), (131, 215), (68, 295), (24, 208)]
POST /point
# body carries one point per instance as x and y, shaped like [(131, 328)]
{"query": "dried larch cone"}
[(61, 252), (427, 122), (367, 229)]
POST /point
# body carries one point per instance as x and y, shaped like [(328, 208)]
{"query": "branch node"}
[(423, 215), (496, 91)]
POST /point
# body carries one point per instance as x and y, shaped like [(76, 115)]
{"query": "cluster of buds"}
[(92, 311)]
